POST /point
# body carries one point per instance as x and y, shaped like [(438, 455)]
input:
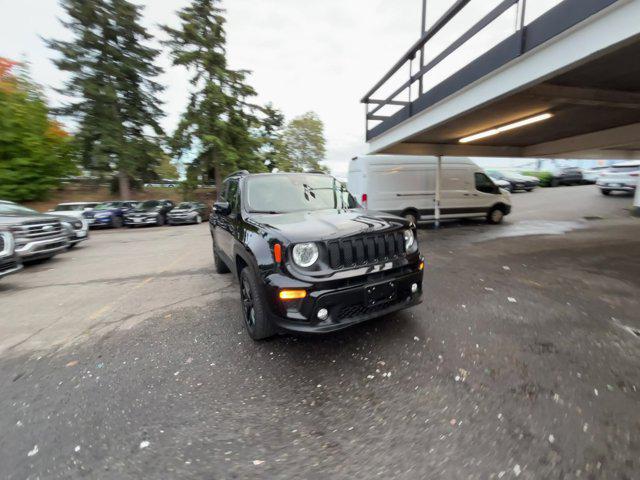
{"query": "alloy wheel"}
[(247, 304)]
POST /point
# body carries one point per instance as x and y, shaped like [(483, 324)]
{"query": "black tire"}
[(254, 310), (117, 222), (495, 216), (605, 192), (71, 245), (221, 267), (555, 182)]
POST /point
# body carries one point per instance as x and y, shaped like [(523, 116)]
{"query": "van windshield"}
[(296, 193)]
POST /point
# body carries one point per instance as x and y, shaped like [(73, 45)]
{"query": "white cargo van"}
[(406, 186)]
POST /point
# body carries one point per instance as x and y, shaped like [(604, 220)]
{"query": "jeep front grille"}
[(352, 252)]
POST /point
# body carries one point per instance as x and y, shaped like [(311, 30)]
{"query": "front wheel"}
[(254, 310), (605, 192), (495, 216), (117, 222)]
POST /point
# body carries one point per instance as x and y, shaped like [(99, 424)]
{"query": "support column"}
[(636, 201), (438, 188)]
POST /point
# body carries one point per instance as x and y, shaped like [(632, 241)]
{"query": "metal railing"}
[(410, 97)]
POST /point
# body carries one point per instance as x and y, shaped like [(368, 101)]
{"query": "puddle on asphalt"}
[(528, 228)]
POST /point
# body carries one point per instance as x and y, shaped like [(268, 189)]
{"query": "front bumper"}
[(346, 303), (100, 222), (617, 186), (79, 236), (9, 264), (42, 248), (180, 220), (135, 221)]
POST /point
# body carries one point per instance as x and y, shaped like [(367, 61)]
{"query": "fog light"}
[(414, 288), (323, 314)]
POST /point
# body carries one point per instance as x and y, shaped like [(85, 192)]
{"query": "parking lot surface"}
[(126, 358)]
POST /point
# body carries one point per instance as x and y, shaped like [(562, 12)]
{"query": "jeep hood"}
[(327, 224)]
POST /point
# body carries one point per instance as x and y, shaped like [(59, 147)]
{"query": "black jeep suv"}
[(307, 257)]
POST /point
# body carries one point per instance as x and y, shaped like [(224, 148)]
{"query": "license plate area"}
[(378, 293)]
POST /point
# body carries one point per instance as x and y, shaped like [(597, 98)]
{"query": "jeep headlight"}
[(410, 243), (305, 254)]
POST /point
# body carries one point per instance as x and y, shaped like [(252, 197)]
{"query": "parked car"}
[(591, 175), (516, 180), (151, 212), (37, 236), (405, 186), (566, 176), (73, 209), (9, 259), (77, 229), (109, 214), (188, 212), (501, 183), (308, 258), (622, 177)]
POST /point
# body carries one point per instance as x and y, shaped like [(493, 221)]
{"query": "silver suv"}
[(622, 177), (9, 260), (36, 236)]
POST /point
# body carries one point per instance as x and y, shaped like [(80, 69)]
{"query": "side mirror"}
[(222, 208)]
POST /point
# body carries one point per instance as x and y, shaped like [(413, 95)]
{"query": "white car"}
[(621, 177), (73, 209), (501, 183), (591, 175)]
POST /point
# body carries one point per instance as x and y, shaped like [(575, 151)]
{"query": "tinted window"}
[(232, 195)]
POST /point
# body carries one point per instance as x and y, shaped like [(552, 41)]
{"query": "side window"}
[(484, 183), (223, 193), (232, 196)]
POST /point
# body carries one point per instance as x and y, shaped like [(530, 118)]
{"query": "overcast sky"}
[(304, 54)]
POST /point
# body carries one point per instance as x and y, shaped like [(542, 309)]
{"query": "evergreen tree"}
[(111, 81), (305, 143), (219, 119), (270, 134)]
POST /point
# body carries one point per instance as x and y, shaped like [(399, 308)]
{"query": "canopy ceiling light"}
[(505, 128)]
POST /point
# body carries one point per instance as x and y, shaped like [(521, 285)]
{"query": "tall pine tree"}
[(218, 120), (112, 84)]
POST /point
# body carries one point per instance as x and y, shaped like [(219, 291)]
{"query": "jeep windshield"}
[(284, 193)]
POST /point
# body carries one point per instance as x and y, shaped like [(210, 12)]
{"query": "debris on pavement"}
[(33, 451), (512, 300), (144, 444)]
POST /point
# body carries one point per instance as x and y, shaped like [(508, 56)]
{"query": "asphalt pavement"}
[(126, 358)]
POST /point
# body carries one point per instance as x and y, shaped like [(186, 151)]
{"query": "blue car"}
[(109, 214)]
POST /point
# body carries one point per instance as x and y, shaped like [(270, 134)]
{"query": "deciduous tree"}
[(305, 144), (35, 151)]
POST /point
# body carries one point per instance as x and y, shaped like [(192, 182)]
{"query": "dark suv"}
[(307, 257), (151, 212)]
